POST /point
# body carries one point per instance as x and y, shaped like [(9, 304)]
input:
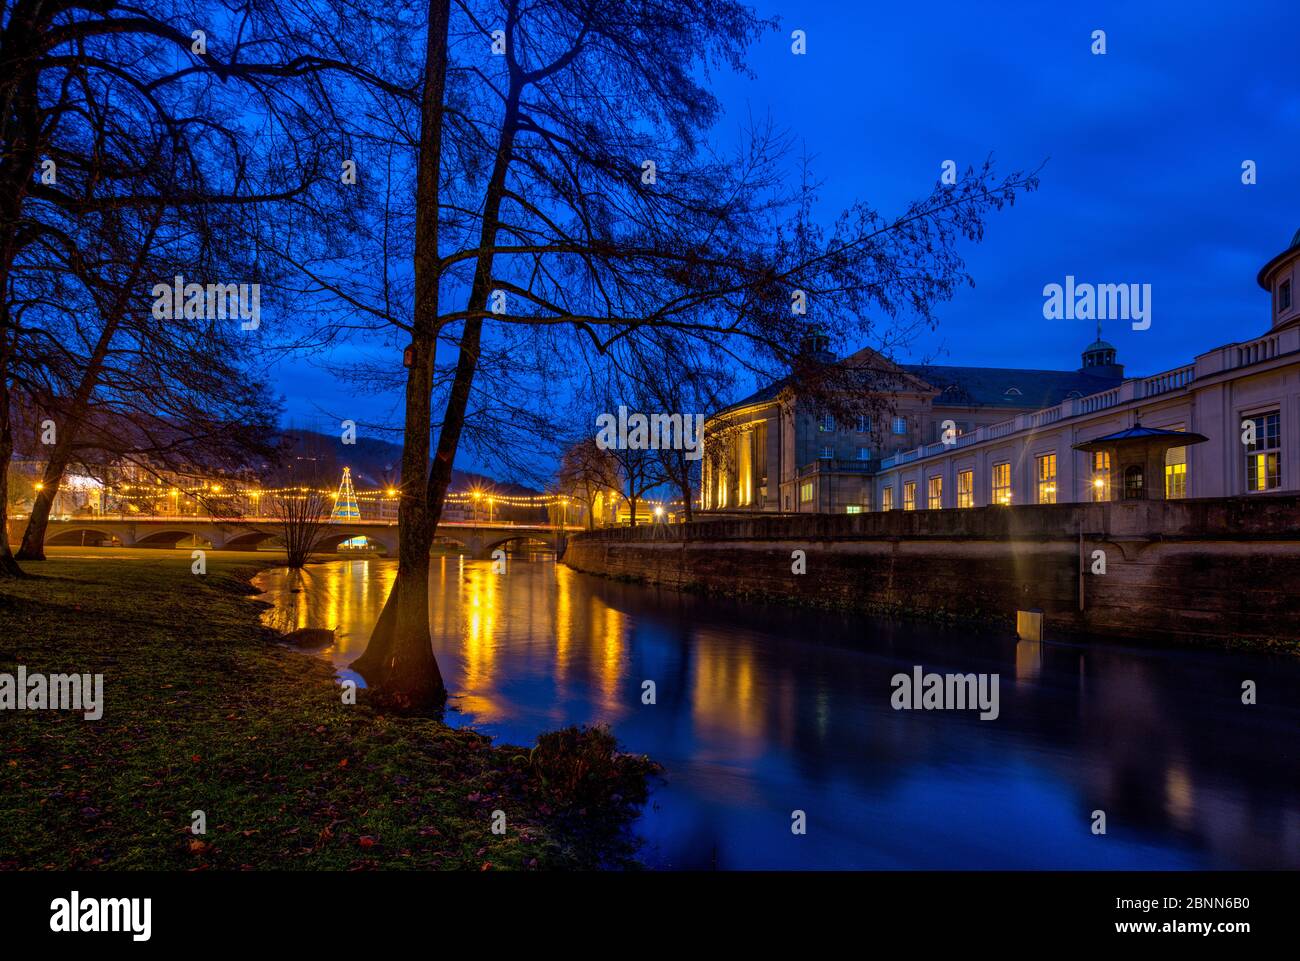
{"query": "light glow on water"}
[(765, 710)]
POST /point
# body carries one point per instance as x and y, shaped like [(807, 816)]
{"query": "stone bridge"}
[(479, 539)]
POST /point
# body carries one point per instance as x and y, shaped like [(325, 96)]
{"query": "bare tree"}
[(587, 473), (300, 514), (95, 99), (564, 197)]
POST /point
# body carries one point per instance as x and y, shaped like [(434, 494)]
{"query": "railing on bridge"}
[(255, 519)]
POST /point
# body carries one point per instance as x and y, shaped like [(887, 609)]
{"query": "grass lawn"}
[(203, 711)]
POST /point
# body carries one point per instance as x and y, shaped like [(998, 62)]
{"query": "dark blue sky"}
[(1143, 149)]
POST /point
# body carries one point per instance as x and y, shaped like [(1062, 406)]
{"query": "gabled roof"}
[(869, 365), (767, 393), (1008, 386), (1011, 387)]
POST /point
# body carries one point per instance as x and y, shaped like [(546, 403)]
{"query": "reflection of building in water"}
[(1180, 799), (724, 695), (564, 578), (1029, 659)]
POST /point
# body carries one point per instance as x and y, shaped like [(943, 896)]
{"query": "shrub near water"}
[(580, 768)]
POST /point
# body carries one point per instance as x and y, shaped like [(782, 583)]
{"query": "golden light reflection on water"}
[(748, 712), (1180, 797), (725, 696), (491, 629), (479, 596), (1029, 660), (563, 626), (607, 630), (534, 619), (344, 595)]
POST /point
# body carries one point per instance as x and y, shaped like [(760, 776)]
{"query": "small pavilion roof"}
[(1137, 434)]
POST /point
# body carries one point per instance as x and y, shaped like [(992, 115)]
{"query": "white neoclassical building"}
[(1244, 398)]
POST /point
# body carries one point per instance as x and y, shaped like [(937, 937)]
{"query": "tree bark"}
[(8, 564), (33, 545), (398, 663), (688, 512)]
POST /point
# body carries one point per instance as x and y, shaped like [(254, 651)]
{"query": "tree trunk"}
[(398, 663), (8, 565), (687, 510), (404, 670), (33, 545), (20, 132)]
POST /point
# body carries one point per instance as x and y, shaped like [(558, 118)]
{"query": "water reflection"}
[(762, 711)]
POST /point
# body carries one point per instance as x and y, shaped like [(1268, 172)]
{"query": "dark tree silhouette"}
[(563, 197)]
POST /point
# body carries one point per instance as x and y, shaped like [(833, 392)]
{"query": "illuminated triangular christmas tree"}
[(345, 501)]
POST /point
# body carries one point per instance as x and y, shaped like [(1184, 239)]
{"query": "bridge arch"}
[(72, 537), (330, 540), (249, 541), (521, 539), (444, 540), (170, 537)]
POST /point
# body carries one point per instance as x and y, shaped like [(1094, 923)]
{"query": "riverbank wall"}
[(1213, 570)]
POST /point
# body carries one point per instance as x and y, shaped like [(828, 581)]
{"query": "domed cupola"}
[(1099, 360), (1279, 277), (1098, 354)]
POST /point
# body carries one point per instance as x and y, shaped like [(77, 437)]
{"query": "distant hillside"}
[(374, 463)]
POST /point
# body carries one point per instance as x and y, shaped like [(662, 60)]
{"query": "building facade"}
[(955, 437)]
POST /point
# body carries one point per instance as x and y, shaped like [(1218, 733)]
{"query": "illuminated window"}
[(1002, 484), (864, 453), (934, 493), (900, 425), (1264, 456), (887, 499), (966, 488), (1101, 475), (1176, 480), (745, 468), (853, 509), (805, 492), (909, 496), (826, 423), (1176, 471), (1046, 478)]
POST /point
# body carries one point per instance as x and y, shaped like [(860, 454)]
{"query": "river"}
[(762, 711)]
